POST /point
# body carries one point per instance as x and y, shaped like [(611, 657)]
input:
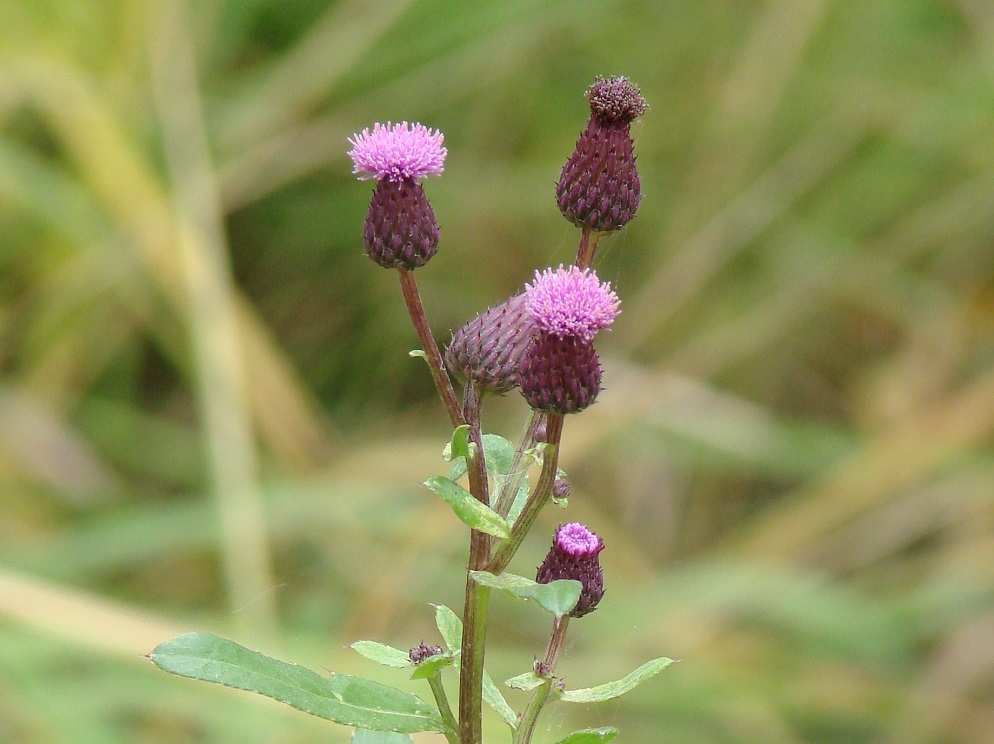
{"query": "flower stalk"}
[(412, 298)]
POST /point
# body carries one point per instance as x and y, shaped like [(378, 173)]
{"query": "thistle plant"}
[(540, 341)]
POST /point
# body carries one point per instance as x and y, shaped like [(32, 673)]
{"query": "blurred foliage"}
[(208, 419)]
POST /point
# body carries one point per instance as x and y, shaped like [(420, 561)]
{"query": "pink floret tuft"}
[(571, 302), (397, 152), (576, 540)]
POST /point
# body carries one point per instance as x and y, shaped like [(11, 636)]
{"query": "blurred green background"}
[(208, 419)]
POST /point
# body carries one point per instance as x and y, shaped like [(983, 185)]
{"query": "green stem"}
[(474, 631), (433, 356), (536, 500), (526, 727), (474, 642), (509, 489), (442, 701)]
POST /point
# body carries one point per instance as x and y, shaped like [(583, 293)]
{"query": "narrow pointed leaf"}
[(365, 736), (526, 681), (341, 698), (382, 654), (590, 736), (612, 690), (467, 508), (493, 698), (449, 626), (557, 597)]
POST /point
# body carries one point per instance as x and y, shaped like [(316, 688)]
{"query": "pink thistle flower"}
[(574, 555), (397, 152), (575, 540), (571, 302)]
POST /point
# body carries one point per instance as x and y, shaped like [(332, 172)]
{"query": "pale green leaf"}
[(557, 597), (341, 698), (499, 453), (365, 736), (493, 698), (590, 736), (611, 690), (526, 681), (382, 653), (449, 626), (467, 508)]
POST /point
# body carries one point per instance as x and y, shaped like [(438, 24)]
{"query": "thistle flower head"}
[(575, 540), (599, 187), (397, 152), (615, 99), (571, 302), (574, 555)]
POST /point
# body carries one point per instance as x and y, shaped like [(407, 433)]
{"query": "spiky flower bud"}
[(488, 348), (400, 230), (575, 555), (422, 651), (599, 185)]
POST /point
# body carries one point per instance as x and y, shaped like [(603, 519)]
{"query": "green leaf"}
[(417, 354), (612, 690), (499, 453), (457, 470), (590, 736), (450, 627), (526, 681), (520, 499), (382, 654), (341, 698), (365, 736), (557, 597), (467, 508), (493, 698), (432, 666), (459, 445)]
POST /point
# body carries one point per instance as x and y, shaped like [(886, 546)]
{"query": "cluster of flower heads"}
[(541, 339)]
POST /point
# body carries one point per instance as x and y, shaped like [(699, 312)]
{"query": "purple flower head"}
[(574, 555), (571, 302), (397, 152), (577, 541)]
